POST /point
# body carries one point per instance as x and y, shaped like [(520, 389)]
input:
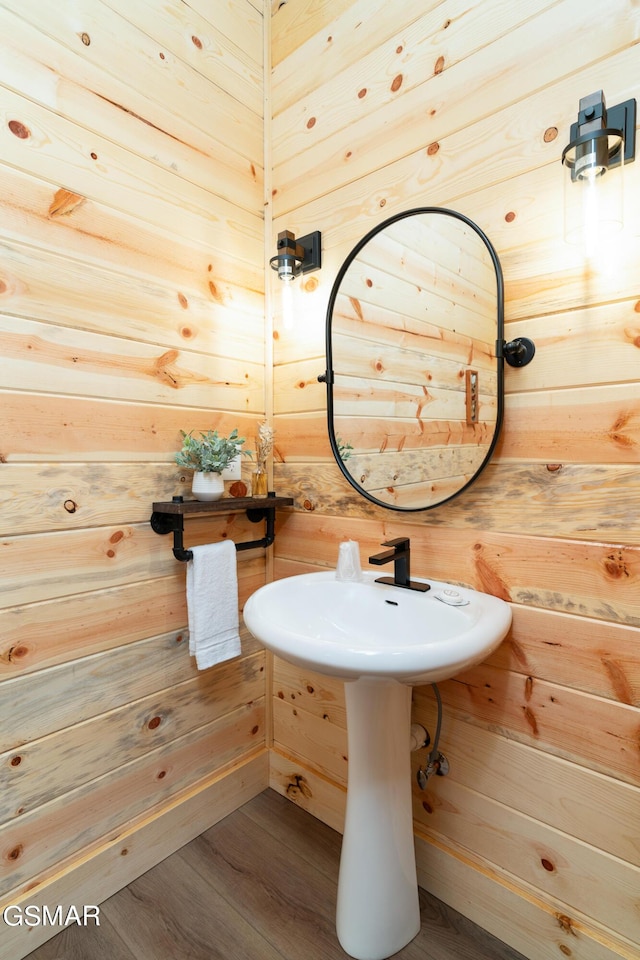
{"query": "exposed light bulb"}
[(590, 213), (287, 306)]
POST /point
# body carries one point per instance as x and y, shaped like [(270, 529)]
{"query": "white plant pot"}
[(207, 486)]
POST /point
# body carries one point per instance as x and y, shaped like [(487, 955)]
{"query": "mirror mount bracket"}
[(518, 352)]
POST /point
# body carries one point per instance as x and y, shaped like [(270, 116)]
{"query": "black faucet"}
[(401, 556)]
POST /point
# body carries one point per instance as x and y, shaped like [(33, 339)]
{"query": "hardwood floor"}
[(259, 885)]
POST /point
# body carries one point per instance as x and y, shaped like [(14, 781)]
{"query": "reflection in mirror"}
[(414, 385)]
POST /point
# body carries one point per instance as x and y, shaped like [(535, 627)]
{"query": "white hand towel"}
[(212, 603)]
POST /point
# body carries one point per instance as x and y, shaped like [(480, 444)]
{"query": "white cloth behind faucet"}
[(349, 561), (212, 603)]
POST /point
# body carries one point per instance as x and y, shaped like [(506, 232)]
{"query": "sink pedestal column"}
[(378, 911)]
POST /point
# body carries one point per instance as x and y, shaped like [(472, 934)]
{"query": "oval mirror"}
[(414, 385)]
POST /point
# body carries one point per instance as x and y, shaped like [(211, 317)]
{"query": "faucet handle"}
[(400, 543)]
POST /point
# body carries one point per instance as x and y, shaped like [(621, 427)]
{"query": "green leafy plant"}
[(344, 449), (210, 453)]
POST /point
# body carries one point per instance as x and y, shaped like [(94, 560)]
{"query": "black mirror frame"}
[(328, 376)]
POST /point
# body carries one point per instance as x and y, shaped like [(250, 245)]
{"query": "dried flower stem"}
[(264, 442)]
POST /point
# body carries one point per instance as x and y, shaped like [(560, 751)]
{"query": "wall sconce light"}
[(601, 140), (297, 256)]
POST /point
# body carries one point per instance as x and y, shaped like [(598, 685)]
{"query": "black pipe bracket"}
[(168, 517)]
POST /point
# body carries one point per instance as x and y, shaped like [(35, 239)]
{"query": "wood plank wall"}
[(379, 107), (131, 306)]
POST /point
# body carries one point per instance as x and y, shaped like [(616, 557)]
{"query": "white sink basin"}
[(381, 639), (368, 629)]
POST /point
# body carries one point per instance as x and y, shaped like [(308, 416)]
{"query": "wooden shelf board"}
[(224, 505)]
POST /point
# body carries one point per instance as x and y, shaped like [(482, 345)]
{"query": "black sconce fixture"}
[(602, 139), (297, 256)]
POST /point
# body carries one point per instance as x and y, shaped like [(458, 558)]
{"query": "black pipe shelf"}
[(168, 517)]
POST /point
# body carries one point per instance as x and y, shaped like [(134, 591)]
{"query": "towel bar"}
[(168, 517)]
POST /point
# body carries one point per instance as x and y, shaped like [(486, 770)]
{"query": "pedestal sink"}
[(382, 640)]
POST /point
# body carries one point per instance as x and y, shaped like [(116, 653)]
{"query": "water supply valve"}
[(438, 765)]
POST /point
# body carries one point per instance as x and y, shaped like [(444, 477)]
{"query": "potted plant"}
[(208, 455)]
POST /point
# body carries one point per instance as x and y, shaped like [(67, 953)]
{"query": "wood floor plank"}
[(306, 837), (170, 913), (259, 885), (446, 935), (291, 904), (85, 943)]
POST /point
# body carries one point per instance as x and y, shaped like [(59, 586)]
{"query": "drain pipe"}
[(419, 737)]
